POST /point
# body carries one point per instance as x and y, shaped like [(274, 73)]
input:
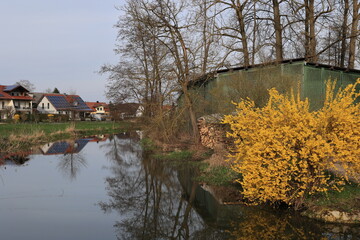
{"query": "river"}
[(105, 187)]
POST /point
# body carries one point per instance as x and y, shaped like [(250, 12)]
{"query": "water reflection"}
[(148, 198), (159, 202), (68, 152), (262, 224), (71, 163), (149, 194)]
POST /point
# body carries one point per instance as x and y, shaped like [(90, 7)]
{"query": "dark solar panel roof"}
[(59, 102), (81, 144), (10, 87), (81, 104), (65, 147), (58, 147)]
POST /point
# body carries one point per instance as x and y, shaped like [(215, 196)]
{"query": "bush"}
[(284, 151)]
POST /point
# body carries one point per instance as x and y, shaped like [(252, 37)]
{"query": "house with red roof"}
[(14, 99), (100, 108), (55, 103)]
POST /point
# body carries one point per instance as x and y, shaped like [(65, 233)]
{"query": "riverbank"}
[(14, 137), (215, 176)]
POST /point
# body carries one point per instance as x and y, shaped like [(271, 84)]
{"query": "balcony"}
[(22, 109)]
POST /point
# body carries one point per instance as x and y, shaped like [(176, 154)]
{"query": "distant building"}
[(14, 99), (72, 105), (126, 110), (98, 108), (37, 96)]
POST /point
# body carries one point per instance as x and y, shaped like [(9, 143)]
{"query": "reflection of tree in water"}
[(71, 163), (147, 194), (119, 144)]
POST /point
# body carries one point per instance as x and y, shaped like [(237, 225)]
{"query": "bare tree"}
[(27, 84), (169, 15), (235, 28), (142, 75)]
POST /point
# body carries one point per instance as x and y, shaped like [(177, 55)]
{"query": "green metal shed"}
[(214, 92)]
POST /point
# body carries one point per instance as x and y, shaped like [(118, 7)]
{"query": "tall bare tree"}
[(141, 74), (235, 28), (171, 17)]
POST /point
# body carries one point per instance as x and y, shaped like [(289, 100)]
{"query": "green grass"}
[(218, 176), (148, 145), (28, 128), (346, 200)]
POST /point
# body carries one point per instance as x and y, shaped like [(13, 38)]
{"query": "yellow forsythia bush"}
[(285, 152)]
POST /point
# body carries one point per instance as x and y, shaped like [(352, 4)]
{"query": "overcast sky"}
[(58, 43)]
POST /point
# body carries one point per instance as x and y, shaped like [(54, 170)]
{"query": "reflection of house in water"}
[(64, 147), (54, 148), (99, 138)]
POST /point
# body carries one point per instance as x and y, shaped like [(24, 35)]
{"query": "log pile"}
[(212, 135)]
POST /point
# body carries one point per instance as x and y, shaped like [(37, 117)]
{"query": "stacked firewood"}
[(212, 135)]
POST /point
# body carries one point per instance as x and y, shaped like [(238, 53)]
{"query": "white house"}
[(72, 105), (14, 99)]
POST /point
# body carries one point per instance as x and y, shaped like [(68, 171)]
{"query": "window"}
[(3, 105), (48, 105), (29, 105), (43, 105)]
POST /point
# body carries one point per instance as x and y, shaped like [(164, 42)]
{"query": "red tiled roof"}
[(5, 95), (94, 105)]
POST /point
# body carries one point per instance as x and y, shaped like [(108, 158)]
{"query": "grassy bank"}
[(221, 179), (347, 200), (17, 136)]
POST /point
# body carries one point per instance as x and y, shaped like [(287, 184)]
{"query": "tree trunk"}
[(310, 40), (344, 28), (278, 31), (240, 18), (253, 52), (193, 121), (354, 34)]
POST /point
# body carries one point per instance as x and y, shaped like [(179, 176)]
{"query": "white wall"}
[(7, 104), (50, 110)]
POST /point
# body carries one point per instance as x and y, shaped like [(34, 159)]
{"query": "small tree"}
[(285, 152)]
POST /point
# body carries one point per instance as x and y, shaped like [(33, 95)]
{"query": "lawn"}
[(7, 129)]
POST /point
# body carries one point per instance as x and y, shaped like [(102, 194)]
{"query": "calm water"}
[(105, 188)]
